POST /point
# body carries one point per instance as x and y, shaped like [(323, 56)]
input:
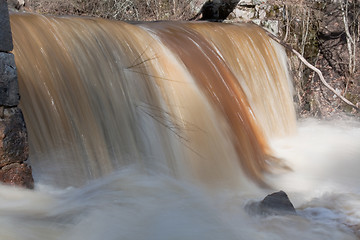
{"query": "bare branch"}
[(319, 73)]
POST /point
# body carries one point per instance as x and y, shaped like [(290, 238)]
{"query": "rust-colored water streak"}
[(223, 89), (258, 63)]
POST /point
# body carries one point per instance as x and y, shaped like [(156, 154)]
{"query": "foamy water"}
[(324, 183), (133, 204)]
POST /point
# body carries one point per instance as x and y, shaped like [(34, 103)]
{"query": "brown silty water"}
[(85, 82)]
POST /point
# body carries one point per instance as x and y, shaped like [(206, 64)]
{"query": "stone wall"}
[(14, 147)]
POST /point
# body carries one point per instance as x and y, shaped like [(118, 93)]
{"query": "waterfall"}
[(197, 100), (166, 130)]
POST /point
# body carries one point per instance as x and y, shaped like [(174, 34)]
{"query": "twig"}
[(175, 129), (319, 73)]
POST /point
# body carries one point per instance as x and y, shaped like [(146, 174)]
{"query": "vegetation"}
[(326, 34), (130, 10)]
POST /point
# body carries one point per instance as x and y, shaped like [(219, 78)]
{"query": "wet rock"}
[(277, 203), (13, 137), (6, 44), (17, 174), (9, 90), (14, 149)]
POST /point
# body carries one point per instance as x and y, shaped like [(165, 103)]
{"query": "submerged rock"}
[(277, 203)]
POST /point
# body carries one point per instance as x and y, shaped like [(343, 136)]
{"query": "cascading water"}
[(165, 131), (102, 94)]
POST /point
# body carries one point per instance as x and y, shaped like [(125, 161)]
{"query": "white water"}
[(131, 204)]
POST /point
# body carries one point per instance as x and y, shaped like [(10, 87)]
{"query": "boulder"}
[(277, 203)]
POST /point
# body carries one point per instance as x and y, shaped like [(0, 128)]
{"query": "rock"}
[(6, 44), (246, 3), (14, 147), (251, 2), (270, 25), (244, 13), (277, 203), (17, 174), (9, 90), (16, 4), (217, 10)]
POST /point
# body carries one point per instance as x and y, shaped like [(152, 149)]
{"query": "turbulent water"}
[(165, 131)]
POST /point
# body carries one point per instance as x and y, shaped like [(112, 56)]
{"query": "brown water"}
[(98, 95), (165, 131)]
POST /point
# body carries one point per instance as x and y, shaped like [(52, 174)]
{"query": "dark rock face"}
[(9, 90), (6, 44), (277, 203), (215, 10), (14, 148)]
